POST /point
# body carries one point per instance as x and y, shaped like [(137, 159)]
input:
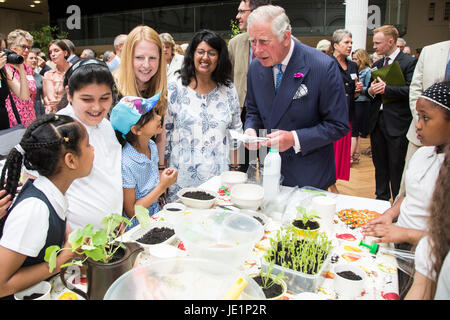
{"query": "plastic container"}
[(219, 235), (231, 178), (196, 203), (299, 282), (43, 288), (183, 279), (137, 232), (271, 174), (347, 288), (247, 196)]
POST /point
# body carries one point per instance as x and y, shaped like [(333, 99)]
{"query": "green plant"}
[(289, 250), (306, 215), (99, 245), (235, 30), (45, 35), (268, 279)]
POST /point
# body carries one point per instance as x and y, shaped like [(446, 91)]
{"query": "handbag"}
[(11, 137)]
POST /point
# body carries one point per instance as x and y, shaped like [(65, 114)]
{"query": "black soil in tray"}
[(156, 235), (312, 225), (33, 296), (273, 291), (198, 195), (350, 275)]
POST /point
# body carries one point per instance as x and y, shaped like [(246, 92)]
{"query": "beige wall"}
[(421, 32), (14, 19)]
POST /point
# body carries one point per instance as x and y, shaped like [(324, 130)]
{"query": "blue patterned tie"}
[(279, 76)]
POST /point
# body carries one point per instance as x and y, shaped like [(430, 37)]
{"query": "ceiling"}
[(24, 6)]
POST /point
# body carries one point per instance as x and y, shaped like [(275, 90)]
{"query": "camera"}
[(12, 57)]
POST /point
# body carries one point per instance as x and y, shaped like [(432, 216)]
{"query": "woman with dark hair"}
[(203, 105), (53, 88)]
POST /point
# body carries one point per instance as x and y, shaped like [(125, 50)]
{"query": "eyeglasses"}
[(211, 54), (24, 47), (240, 11)]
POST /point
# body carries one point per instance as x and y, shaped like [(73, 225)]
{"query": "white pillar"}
[(356, 21)]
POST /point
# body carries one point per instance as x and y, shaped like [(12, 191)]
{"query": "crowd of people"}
[(137, 124)]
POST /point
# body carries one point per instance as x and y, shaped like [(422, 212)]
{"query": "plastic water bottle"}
[(271, 174)]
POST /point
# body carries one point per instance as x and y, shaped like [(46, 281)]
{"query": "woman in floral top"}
[(203, 105), (20, 42)]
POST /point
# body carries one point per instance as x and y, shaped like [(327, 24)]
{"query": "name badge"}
[(353, 76), (30, 77)]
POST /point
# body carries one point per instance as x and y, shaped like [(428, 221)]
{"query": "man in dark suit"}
[(389, 122), (303, 105)]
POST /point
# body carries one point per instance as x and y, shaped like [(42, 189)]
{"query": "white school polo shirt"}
[(26, 227), (420, 179), (93, 197)]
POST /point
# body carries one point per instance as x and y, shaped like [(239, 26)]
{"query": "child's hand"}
[(4, 203), (386, 233), (168, 177)]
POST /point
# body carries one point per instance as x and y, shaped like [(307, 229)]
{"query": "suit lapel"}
[(289, 85)]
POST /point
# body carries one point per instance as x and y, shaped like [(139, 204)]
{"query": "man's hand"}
[(251, 145), (281, 140), (377, 87)]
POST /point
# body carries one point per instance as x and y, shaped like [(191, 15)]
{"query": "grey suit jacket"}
[(239, 49), (430, 69)]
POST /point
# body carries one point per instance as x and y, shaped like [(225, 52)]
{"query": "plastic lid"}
[(273, 150)]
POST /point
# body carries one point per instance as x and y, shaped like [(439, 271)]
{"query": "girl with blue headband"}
[(135, 121)]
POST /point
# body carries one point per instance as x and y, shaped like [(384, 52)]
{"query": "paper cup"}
[(43, 288), (345, 288)]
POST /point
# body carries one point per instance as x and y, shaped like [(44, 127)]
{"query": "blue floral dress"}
[(198, 142)]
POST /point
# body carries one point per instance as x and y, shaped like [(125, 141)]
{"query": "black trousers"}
[(388, 156)]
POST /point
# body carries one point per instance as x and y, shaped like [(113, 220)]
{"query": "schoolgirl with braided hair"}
[(57, 147)]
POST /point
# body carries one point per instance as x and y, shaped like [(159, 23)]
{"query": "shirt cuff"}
[(296, 145)]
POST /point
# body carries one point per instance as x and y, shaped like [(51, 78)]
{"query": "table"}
[(381, 269)]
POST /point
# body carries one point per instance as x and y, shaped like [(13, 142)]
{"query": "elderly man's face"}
[(400, 45), (268, 49)]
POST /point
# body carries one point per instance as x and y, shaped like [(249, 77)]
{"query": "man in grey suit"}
[(241, 56)]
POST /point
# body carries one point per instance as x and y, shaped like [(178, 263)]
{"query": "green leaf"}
[(95, 254), (142, 215), (100, 238), (50, 256), (76, 239)]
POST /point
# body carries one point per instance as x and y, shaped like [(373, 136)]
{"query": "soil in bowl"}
[(270, 292), (311, 224), (156, 235), (33, 296), (198, 195), (350, 275), (173, 209), (259, 219)]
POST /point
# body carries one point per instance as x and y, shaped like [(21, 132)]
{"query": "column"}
[(356, 21)]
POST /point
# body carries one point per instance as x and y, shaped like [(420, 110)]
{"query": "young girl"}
[(89, 94), (136, 122), (411, 210), (58, 148)]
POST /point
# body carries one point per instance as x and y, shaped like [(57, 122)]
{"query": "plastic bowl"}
[(43, 288), (195, 203), (347, 288), (231, 178), (219, 235), (137, 232), (247, 195), (182, 279)]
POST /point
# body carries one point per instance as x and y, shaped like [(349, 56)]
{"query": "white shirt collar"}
[(286, 59), (54, 195), (394, 55)]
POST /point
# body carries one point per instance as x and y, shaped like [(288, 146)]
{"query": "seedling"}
[(306, 215), (268, 279), (99, 245)]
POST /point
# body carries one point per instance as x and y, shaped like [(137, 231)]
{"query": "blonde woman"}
[(360, 127), (142, 73)]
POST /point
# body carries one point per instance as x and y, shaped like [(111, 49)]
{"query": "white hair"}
[(274, 14)]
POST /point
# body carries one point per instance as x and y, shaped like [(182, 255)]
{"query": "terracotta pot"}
[(101, 275)]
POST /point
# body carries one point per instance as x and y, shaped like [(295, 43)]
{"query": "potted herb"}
[(306, 224), (106, 255), (272, 285), (300, 259)]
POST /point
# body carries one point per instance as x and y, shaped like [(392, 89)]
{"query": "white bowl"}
[(42, 287), (195, 203), (231, 178), (247, 196), (137, 232), (175, 206), (347, 288)]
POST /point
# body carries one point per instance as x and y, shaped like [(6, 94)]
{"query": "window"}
[(431, 8), (446, 10)]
